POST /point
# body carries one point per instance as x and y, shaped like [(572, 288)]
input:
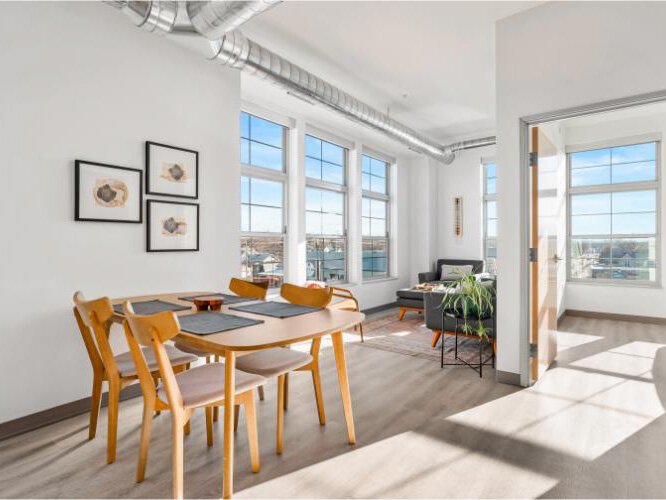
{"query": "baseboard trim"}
[(56, 414), (616, 317), (509, 378), (381, 308)]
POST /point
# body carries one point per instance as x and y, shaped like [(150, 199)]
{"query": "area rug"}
[(411, 337)]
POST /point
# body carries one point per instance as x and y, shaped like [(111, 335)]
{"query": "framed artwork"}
[(107, 193), (172, 226), (171, 171)]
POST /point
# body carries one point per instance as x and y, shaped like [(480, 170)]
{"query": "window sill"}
[(377, 280), (653, 286)]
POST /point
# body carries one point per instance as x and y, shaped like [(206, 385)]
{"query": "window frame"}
[(343, 189), (285, 144), (609, 188), (386, 197), (488, 197)]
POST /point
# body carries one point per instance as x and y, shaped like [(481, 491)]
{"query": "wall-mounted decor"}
[(106, 193), (172, 226), (458, 216), (171, 171)]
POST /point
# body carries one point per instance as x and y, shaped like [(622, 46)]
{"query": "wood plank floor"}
[(594, 426)]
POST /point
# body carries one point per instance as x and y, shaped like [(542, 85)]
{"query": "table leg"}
[(229, 404), (341, 365)]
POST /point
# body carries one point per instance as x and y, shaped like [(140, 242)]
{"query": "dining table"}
[(272, 332)]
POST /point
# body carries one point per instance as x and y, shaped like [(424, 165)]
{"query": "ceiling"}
[(430, 64)]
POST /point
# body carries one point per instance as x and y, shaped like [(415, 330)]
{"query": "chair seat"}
[(273, 362), (192, 350), (128, 369), (204, 384)]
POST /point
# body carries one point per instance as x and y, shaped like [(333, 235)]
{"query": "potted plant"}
[(471, 300)]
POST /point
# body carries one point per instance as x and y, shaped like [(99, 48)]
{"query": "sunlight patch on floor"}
[(618, 363), (567, 340)]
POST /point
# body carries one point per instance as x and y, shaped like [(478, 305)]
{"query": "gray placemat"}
[(205, 323), (228, 298), (276, 309), (152, 307)]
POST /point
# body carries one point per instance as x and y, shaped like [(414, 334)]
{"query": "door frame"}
[(525, 123)]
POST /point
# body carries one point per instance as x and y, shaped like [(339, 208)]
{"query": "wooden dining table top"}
[(271, 333)]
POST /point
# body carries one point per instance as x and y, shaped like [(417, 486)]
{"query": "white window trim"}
[(486, 198), (382, 197), (611, 188)]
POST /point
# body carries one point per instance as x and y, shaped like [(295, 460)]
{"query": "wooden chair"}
[(278, 361), (199, 387), (119, 370), (348, 303)]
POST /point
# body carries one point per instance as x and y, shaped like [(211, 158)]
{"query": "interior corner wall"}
[(551, 57), (423, 215), (464, 177), (80, 81)]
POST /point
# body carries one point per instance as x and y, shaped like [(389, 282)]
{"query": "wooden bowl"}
[(205, 303)]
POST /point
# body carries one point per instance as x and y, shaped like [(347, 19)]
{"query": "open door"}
[(543, 252)]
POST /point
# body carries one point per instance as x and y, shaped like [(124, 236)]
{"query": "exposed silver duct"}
[(213, 19), (216, 21)]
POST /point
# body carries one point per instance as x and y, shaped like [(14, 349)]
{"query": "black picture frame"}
[(149, 245), (78, 165), (152, 190)]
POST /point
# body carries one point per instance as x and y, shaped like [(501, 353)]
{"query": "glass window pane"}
[(590, 259), (365, 181), (313, 199), (245, 189), (365, 226), (591, 176), (634, 172), (490, 170), (378, 209), (377, 227), (491, 186), (634, 201), (377, 184), (332, 173), (245, 151), (491, 228), (377, 167), (245, 217), (590, 158), (640, 223), (245, 125), (312, 147), (334, 270), (332, 153), (266, 220), (265, 192), (582, 204), (266, 132), (313, 223), (365, 204), (365, 164), (312, 168), (262, 260), (332, 202), (332, 224), (590, 224), (266, 156), (491, 210), (634, 153)]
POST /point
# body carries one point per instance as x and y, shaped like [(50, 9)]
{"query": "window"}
[(325, 202), (375, 218), (490, 216), (262, 143), (262, 200), (613, 207)]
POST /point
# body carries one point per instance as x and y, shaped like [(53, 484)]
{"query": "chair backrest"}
[(345, 294), (153, 330), (94, 320), (313, 297), (248, 289)]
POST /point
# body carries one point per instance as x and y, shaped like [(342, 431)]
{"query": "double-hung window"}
[(325, 210), (375, 217), (490, 216), (613, 214), (263, 188)]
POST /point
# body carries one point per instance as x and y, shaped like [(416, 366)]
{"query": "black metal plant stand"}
[(477, 367)]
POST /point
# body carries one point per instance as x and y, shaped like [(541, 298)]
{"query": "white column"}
[(354, 194), (296, 251)]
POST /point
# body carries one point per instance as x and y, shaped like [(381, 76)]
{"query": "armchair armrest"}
[(429, 276)]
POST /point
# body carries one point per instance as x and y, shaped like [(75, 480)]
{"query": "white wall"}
[(620, 299), (464, 177), (551, 57)]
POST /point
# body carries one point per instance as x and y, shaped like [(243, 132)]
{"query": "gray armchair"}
[(433, 276)]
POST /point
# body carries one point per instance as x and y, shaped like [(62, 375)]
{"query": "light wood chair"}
[(118, 370), (348, 303), (199, 387), (279, 361)]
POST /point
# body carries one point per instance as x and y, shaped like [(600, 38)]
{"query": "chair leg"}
[(280, 414), (286, 391), (435, 338), (403, 311), (177, 453), (316, 381), (360, 326), (209, 426), (94, 408), (216, 413), (236, 417), (114, 396), (261, 393), (252, 435), (148, 409), (187, 428)]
